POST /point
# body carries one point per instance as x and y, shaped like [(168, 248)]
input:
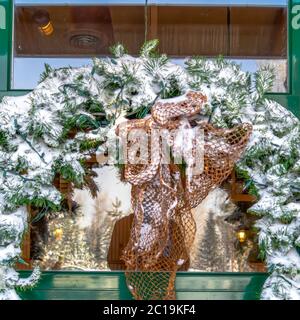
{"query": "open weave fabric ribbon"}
[(163, 194)]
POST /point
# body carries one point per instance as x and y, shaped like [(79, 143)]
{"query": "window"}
[(252, 32), (91, 236)]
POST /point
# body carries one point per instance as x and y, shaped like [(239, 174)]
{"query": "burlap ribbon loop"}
[(163, 194)]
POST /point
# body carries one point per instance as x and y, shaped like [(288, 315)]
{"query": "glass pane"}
[(254, 36), (93, 235), (229, 31), (252, 32), (70, 35)]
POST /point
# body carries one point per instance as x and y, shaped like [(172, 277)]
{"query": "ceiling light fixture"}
[(42, 19)]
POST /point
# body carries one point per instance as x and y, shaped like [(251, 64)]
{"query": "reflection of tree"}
[(216, 248), (93, 230), (71, 246), (67, 247), (100, 232), (210, 256), (218, 251), (226, 240), (280, 68)]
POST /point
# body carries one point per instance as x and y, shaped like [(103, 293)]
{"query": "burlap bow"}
[(163, 194)]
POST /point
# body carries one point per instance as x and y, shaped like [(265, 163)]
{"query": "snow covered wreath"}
[(37, 142)]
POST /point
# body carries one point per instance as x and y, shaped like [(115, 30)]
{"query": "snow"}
[(180, 262), (146, 236)]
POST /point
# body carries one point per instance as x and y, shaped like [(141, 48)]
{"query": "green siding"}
[(64, 285), (5, 43), (294, 47), (13, 93)]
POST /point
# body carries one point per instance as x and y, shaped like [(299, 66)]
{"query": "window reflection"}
[(71, 34)]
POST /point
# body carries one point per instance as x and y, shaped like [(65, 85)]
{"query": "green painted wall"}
[(75, 285), (5, 42)]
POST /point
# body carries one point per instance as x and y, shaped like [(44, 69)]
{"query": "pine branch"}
[(264, 79), (18, 127), (5, 171), (148, 48), (155, 64), (46, 73), (118, 50)]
